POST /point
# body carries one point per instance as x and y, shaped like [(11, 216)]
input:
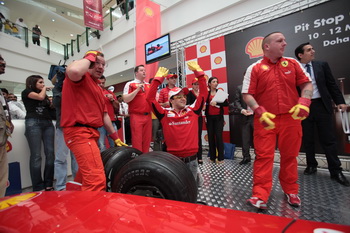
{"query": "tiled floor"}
[(229, 185)]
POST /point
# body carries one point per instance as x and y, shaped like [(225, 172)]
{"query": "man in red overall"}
[(134, 94), (164, 93), (269, 89), (180, 121), (83, 111)]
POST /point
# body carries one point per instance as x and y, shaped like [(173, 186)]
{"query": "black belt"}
[(82, 125), (140, 113), (316, 99), (188, 159)]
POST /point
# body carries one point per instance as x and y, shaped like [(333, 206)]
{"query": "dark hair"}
[(118, 96), (31, 82), (211, 79), (300, 49), (103, 77), (137, 68), (150, 80), (4, 90), (266, 40)]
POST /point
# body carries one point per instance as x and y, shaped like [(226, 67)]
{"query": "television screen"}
[(157, 49)]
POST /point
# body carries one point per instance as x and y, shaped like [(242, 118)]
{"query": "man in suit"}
[(321, 113), (247, 127)]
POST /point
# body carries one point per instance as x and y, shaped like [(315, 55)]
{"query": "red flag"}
[(147, 29), (93, 17)]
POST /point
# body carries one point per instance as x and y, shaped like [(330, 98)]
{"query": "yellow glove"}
[(265, 118), (193, 65), (119, 142), (162, 72), (301, 110)]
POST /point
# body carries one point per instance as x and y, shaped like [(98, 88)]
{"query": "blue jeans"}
[(61, 161), (37, 131), (103, 134)]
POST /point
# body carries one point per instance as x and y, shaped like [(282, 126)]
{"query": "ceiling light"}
[(53, 20), (71, 35), (2, 3)]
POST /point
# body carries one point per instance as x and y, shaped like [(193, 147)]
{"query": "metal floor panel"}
[(229, 185)]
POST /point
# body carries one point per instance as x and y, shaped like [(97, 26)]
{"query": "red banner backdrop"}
[(93, 17), (147, 29)]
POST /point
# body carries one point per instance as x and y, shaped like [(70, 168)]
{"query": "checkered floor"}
[(229, 185)]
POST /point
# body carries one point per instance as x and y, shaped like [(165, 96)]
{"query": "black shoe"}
[(244, 161), (340, 178), (310, 170)]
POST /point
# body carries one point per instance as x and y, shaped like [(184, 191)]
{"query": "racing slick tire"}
[(157, 174), (115, 158)]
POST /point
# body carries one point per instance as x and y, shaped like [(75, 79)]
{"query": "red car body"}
[(77, 211)]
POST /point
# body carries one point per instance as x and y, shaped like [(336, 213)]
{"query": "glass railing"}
[(70, 47)]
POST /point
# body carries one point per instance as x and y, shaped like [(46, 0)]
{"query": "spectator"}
[(21, 27), (191, 98), (36, 35), (15, 111), (83, 111), (2, 21), (38, 129), (15, 31), (5, 123), (214, 113), (124, 112), (112, 105), (134, 94), (247, 127), (13, 99), (157, 132), (7, 27), (180, 121), (321, 114), (164, 93), (280, 121)]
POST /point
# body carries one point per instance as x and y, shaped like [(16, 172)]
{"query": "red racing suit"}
[(140, 116), (273, 85), (83, 107), (179, 128)]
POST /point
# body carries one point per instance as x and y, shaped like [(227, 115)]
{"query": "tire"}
[(114, 159), (157, 174)]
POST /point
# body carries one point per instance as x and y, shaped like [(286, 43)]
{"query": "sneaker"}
[(73, 186), (257, 202), (293, 200)]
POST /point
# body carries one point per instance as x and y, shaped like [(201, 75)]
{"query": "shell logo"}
[(17, 199), (203, 49), (217, 60), (253, 47), (148, 11)]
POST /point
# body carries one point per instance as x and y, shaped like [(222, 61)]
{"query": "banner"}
[(147, 29), (93, 17), (327, 30)]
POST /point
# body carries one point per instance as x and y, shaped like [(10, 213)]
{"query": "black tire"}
[(157, 174), (114, 159)]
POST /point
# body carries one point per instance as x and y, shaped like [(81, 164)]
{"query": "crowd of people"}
[(18, 29), (88, 118)]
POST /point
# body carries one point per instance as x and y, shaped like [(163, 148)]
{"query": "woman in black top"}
[(39, 128), (214, 113)]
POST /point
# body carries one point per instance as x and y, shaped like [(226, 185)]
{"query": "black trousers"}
[(200, 128), (323, 120), (247, 135), (215, 127)]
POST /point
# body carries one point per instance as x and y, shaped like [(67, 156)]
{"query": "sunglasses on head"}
[(176, 97)]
